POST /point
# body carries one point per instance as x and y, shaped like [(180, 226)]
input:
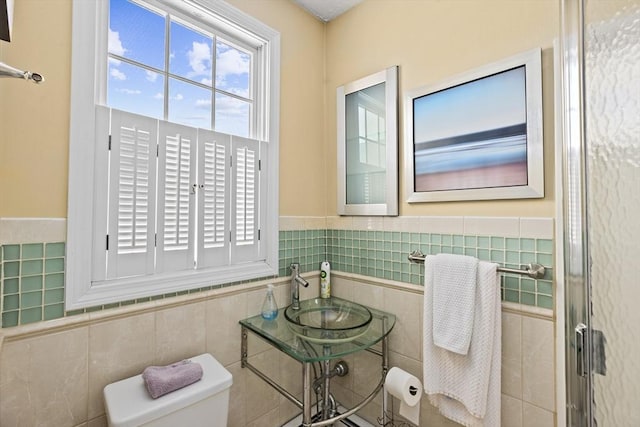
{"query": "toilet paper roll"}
[(408, 389)]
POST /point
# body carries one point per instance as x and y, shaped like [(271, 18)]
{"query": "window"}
[(162, 65), (173, 151)]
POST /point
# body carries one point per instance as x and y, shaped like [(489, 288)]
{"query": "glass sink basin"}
[(328, 320)]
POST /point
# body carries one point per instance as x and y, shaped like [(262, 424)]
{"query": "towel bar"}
[(534, 270)]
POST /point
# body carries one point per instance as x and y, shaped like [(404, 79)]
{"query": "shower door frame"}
[(572, 236)]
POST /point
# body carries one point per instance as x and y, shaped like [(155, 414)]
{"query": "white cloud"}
[(200, 59), (178, 97), (231, 110), (114, 61), (117, 74), (232, 61), (206, 81), (151, 76), (159, 96), (130, 91), (115, 44), (203, 103)]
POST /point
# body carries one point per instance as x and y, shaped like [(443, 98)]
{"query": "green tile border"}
[(32, 275), (368, 251)]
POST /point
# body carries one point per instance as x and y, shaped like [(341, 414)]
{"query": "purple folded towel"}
[(161, 380)]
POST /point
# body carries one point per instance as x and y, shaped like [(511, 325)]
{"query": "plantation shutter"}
[(245, 191), (180, 198), (132, 183), (177, 149), (214, 206)]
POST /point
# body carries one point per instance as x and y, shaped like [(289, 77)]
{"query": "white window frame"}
[(88, 82)]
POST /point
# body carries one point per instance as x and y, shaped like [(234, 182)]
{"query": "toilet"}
[(203, 403)]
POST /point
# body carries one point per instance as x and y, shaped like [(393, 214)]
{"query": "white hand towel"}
[(466, 388), (454, 293)]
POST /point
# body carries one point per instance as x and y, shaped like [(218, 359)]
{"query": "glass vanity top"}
[(284, 335)]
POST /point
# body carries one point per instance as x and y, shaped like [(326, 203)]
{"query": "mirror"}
[(368, 145)]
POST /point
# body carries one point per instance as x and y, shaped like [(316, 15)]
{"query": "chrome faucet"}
[(296, 280)]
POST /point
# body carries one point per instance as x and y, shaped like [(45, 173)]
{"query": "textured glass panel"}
[(612, 76)]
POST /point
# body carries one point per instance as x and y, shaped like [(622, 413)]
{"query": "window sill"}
[(114, 291)]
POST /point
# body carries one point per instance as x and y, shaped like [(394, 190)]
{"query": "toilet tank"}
[(203, 403)]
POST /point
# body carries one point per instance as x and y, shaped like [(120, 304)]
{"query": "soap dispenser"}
[(269, 307)]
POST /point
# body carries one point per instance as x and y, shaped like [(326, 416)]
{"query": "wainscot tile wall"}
[(32, 274), (86, 349)]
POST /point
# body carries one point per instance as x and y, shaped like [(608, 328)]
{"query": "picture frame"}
[(367, 145), (477, 135)]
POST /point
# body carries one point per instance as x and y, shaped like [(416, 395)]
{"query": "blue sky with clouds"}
[(138, 34)]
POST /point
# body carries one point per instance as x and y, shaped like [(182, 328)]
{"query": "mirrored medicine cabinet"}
[(367, 126)]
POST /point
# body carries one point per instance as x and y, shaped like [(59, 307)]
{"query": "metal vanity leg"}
[(326, 403), (385, 368), (306, 393), (243, 347)]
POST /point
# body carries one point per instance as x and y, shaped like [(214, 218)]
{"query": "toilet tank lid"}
[(128, 403)]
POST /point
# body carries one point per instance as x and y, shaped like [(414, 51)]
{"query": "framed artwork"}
[(477, 135)]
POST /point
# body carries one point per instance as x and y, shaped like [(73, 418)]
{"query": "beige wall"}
[(428, 39), (34, 120), (302, 171), (431, 40)]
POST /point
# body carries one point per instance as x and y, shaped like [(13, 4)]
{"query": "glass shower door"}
[(612, 95), (601, 115)]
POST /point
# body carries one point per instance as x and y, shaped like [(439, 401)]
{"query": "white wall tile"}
[(118, 349), (442, 224), (237, 396), (401, 223), (492, 226), (340, 222), (44, 380), (538, 386), (100, 421), (369, 295), (180, 333), (512, 355), (536, 228), (406, 337), (511, 412), (315, 223), (222, 327), (532, 416), (367, 223), (260, 398), (32, 230), (343, 288)]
